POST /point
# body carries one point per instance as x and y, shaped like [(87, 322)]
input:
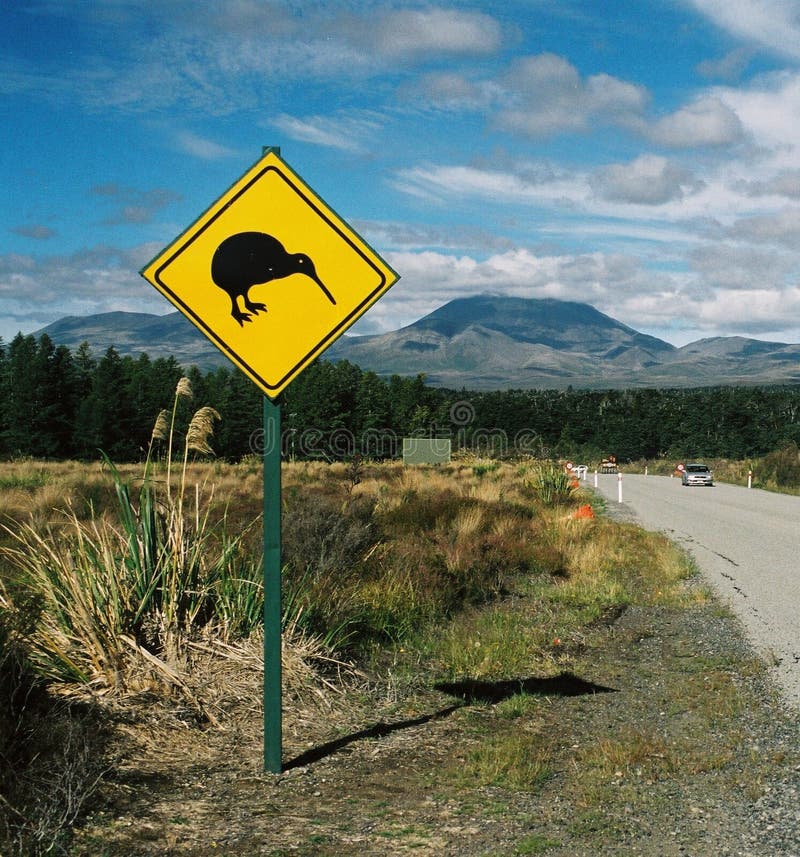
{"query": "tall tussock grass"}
[(123, 592)]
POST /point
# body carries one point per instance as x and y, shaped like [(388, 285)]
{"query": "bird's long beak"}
[(324, 288)]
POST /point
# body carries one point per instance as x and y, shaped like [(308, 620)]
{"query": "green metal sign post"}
[(268, 221), (272, 587)]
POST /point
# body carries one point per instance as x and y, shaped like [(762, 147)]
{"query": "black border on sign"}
[(328, 339)]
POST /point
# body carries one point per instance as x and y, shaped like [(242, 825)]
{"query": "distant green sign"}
[(426, 450)]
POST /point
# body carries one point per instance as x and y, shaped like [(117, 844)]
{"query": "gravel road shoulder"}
[(690, 753)]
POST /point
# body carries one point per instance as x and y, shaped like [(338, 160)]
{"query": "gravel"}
[(735, 791), (769, 826)]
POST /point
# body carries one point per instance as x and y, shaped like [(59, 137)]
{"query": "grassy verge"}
[(568, 640), (623, 730)]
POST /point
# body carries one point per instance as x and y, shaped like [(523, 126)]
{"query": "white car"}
[(697, 474)]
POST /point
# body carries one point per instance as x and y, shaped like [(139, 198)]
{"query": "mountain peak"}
[(481, 343), (542, 321)]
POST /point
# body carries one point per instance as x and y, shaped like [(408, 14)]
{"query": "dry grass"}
[(384, 555), (424, 574), (519, 761), (397, 548), (639, 754)]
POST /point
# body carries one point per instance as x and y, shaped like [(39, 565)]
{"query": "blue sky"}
[(640, 156)]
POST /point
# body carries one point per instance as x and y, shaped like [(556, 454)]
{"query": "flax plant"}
[(551, 482), (167, 549), (129, 590)]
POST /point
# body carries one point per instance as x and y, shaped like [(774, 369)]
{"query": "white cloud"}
[(677, 306), (778, 228), (37, 231), (200, 147), (132, 205), (729, 67), (417, 237), (537, 96), (773, 24), (784, 183), (348, 133), (733, 267), (410, 33), (547, 73), (451, 91), (632, 195), (753, 312), (430, 279), (648, 180), (245, 18), (100, 279), (705, 122), (527, 184), (544, 95), (610, 97), (769, 110)]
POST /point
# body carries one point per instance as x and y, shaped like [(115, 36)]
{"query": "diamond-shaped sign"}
[(270, 274)]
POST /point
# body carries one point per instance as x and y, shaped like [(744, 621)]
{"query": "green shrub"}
[(326, 544), (552, 483), (781, 467), (35, 479)]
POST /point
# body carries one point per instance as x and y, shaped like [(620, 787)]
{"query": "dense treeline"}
[(56, 404), (717, 422)]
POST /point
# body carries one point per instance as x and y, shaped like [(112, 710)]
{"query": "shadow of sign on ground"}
[(468, 692), (493, 692)]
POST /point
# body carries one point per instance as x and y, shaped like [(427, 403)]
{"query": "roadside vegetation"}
[(124, 587), (776, 471), (119, 586)]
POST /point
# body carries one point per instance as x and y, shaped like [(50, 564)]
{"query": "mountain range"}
[(481, 343)]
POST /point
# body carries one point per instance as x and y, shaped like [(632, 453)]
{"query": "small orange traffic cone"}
[(584, 511)]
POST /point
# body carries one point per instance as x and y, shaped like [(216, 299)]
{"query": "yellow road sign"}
[(270, 274)]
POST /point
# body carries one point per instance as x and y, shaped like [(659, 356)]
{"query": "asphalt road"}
[(746, 543)]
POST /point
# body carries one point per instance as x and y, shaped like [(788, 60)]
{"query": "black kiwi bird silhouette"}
[(249, 259)]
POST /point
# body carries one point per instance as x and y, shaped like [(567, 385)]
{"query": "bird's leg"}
[(240, 316), (254, 307)]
